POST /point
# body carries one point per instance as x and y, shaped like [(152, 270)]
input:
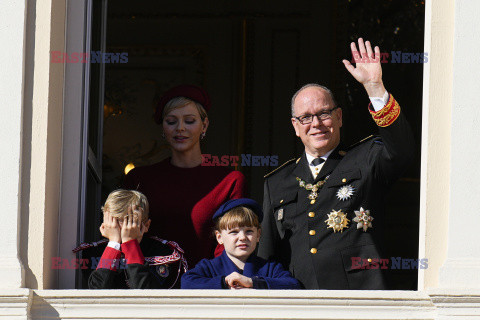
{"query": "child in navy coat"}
[(237, 227)]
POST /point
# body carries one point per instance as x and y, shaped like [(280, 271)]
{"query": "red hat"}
[(189, 91)]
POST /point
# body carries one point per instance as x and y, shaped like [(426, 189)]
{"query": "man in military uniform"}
[(324, 212)]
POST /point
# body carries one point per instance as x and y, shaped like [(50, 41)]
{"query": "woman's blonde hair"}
[(237, 217), (179, 102), (120, 200)]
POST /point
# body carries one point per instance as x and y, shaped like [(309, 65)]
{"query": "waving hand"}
[(367, 70)]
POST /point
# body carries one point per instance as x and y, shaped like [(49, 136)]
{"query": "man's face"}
[(319, 137)]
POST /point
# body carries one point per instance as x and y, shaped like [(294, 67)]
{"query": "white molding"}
[(435, 144), (73, 137), (462, 266), (433, 304), (453, 303), (15, 304), (226, 304), (12, 80)]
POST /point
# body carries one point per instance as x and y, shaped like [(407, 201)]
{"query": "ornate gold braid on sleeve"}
[(388, 114)]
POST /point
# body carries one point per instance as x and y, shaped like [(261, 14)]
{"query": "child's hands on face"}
[(110, 228), (133, 227), (237, 281)]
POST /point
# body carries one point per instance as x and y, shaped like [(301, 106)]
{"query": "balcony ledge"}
[(243, 304)]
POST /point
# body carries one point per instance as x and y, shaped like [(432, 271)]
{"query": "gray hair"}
[(328, 91)]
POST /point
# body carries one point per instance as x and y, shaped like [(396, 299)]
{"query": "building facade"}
[(43, 143)]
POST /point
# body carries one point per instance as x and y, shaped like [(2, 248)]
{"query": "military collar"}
[(332, 161), (310, 158), (302, 169)]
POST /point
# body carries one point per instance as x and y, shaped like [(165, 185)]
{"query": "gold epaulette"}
[(388, 114), (280, 167), (361, 141)]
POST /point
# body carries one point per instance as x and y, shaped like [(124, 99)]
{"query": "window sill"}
[(243, 304)]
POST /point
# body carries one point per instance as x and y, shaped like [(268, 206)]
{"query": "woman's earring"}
[(202, 136)]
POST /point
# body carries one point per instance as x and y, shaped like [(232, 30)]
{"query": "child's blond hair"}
[(237, 217), (120, 200)]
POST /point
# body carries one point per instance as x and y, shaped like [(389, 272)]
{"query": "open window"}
[(251, 57)]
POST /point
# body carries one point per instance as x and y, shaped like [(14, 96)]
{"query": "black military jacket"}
[(138, 276), (294, 230)]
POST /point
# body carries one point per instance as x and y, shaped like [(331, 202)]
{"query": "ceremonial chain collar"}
[(313, 188)]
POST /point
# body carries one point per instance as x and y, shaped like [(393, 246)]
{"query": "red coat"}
[(183, 201)]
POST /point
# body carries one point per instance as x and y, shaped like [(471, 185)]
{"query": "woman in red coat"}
[(183, 194)]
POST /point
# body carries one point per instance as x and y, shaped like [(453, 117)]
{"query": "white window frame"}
[(77, 155)]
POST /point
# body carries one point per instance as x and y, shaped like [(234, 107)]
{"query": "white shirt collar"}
[(310, 158)]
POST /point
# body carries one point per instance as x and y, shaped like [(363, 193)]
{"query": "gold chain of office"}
[(312, 187)]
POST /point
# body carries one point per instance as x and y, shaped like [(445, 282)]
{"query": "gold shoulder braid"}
[(278, 168), (388, 114)]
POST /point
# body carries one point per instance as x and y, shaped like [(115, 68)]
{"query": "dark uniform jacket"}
[(294, 230), (133, 267), (210, 274)]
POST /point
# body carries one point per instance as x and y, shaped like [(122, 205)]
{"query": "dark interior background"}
[(251, 56)]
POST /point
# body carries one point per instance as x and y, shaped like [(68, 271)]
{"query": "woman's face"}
[(182, 128)]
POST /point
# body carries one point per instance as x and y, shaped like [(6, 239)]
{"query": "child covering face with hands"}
[(237, 227), (128, 224), (123, 264)]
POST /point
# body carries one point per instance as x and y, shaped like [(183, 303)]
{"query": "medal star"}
[(363, 219), (345, 192), (337, 220)]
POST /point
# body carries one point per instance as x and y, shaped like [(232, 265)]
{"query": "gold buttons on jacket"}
[(281, 201), (311, 214), (369, 260), (311, 232), (344, 180), (313, 250)]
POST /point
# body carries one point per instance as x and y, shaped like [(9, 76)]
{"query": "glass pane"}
[(96, 79)]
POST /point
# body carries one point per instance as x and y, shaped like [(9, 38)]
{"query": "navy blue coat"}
[(210, 274)]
